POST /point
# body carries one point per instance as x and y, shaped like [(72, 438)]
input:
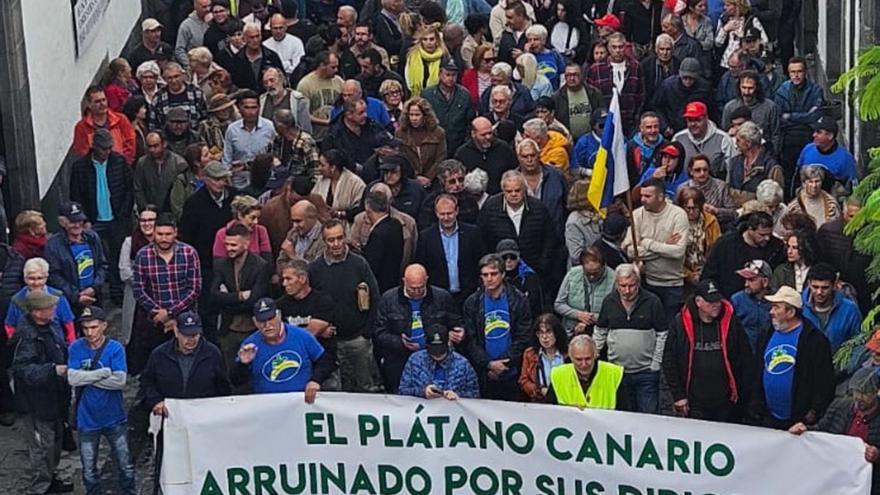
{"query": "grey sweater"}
[(190, 34)]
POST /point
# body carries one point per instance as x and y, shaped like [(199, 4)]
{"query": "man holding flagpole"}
[(610, 177)]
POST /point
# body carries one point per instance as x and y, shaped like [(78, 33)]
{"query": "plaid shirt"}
[(299, 156), (601, 75), (173, 286), (195, 106)]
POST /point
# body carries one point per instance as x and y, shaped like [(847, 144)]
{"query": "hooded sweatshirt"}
[(717, 145)]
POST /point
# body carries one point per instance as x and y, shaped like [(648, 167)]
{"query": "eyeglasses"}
[(393, 93), (455, 180), (488, 59)]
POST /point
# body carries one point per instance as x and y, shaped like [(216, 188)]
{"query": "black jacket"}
[(655, 74), (387, 35), (11, 279), (560, 98), (410, 197), (507, 44), (394, 318), (813, 385), (730, 253), (496, 160), (63, 274), (201, 219), (243, 74), (678, 354), (359, 148), (384, 250), (468, 209), (254, 276), (163, 379), (430, 254), (537, 236), (671, 97), (473, 347), (84, 186), (38, 349), (837, 249)]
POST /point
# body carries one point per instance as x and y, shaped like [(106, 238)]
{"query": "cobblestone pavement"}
[(14, 466)]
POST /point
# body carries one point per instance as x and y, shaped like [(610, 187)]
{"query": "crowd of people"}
[(390, 196)]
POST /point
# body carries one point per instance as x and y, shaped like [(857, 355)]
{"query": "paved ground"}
[(14, 467)]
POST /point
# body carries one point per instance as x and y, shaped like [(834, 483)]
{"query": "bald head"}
[(303, 216), (481, 132), (415, 281)]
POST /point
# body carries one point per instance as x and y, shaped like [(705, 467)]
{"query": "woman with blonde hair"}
[(424, 141), (528, 75), (246, 211), (423, 59), (202, 67), (31, 234), (732, 27), (583, 227), (391, 92)]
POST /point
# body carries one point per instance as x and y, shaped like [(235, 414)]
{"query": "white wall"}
[(58, 79)]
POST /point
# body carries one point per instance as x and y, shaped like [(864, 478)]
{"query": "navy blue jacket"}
[(63, 272), (84, 186), (162, 378)]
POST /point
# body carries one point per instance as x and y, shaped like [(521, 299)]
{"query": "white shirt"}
[(515, 215), (619, 71), (290, 50)]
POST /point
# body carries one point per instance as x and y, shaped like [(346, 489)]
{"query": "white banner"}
[(87, 15), (375, 444)]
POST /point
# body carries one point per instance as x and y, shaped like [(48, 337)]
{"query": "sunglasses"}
[(510, 257)]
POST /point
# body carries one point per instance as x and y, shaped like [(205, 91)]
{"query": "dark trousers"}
[(207, 310), (7, 398), (722, 414), (671, 297), (44, 440), (112, 235), (643, 391)]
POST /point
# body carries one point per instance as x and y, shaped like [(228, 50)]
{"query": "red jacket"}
[(471, 81), (117, 95), (124, 140)]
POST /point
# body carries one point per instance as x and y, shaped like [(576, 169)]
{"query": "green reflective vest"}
[(603, 390)]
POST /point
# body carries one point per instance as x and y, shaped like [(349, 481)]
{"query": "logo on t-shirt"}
[(780, 359), (282, 367), (496, 325)]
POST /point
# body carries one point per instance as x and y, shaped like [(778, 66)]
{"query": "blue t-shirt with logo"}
[(496, 326), (85, 263), (417, 329), (98, 408), (780, 358), (284, 367)]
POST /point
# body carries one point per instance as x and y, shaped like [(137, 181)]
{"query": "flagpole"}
[(632, 221)]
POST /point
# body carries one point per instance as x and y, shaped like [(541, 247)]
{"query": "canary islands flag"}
[(610, 176)]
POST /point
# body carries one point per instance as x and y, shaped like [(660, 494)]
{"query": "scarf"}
[(695, 253), (827, 206), (415, 69), (29, 245)]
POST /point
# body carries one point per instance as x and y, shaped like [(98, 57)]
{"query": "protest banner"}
[(376, 444)]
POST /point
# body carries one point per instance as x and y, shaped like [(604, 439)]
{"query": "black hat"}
[(708, 291), (92, 313), (507, 246), (387, 139), (265, 309), (450, 65), (189, 323), (614, 226), (392, 162), (437, 340), (752, 34), (73, 211), (826, 124)]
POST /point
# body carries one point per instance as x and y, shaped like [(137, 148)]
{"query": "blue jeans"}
[(642, 391), (671, 298), (90, 443)]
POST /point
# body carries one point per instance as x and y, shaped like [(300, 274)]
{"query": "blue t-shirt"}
[(551, 65), (840, 163), (496, 326), (417, 330), (98, 408), (285, 367), (780, 358), (85, 263)]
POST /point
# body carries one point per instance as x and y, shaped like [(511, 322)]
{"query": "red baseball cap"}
[(695, 110), (669, 150), (609, 20)]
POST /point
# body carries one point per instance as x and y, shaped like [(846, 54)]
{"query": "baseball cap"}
[(690, 67), (216, 170), (392, 162), (39, 300), (786, 295), (73, 211), (92, 313), (449, 65), (752, 34), (695, 110), (755, 268), (608, 20), (150, 24), (507, 246), (614, 225), (670, 150), (826, 124), (387, 139), (265, 309), (437, 339), (873, 344), (708, 291), (102, 139), (176, 114), (189, 323)]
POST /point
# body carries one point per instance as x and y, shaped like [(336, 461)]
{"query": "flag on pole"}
[(610, 176)]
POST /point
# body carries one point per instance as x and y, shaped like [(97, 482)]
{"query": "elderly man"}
[(796, 382), (707, 360), (500, 100), (675, 93), (407, 195), (516, 215), (576, 100), (78, 264), (191, 32), (294, 147), (662, 234), (352, 91), (486, 152), (249, 64), (279, 97), (544, 183), (288, 47), (451, 177), (178, 93), (154, 173), (280, 357), (749, 304), (683, 44), (39, 367), (384, 247), (660, 65), (586, 382), (403, 315), (552, 145), (322, 87), (521, 98), (633, 325), (99, 116), (621, 73), (246, 138), (439, 371), (304, 240), (765, 113), (703, 137), (451, 104), (550, 62)]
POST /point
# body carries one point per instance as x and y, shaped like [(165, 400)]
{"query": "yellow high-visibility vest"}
[(603, 390)]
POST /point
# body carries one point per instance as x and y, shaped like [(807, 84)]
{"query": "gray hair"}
[(502, 90), (252, 26), (377, 201), (200, 55), (664, 39), (750, 132), (502, 69), (527, 142), (284, 117), (812, 171), (493, 260), (34, 265), (769, 192), (676, 22), (449, 166), (537, 30), (298, 265), (148, 67), (626, 270), (513, 174), (476, 181), (350, 11), (536, 126), (582, 341)]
